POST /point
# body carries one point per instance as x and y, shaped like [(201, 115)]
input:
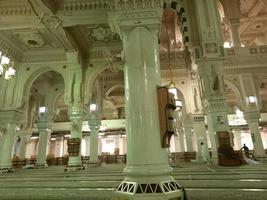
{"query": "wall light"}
[(42, 109), (252, 99), (93, 107)]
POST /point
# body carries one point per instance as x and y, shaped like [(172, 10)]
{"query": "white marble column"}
[(24, 138), (147, 161), (234, 32), (44, 137), (213, 138), (87, 144), (188, 136), (76, 117), (176, 143), (117, 142), (199, 128), (94, 127), (59, 146), (252, 118), (181, 138), (237, 138), (8, 133)]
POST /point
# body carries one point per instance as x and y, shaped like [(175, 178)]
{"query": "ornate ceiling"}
[(31, 27)]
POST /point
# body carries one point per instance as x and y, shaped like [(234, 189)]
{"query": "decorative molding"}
[(135, 4), (80, 5), (44, 58), (30, 39), (21, 10), (12, 52), (102, 33), (99, 54), (138, 14)]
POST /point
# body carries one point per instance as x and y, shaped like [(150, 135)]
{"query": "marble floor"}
[(200, 181)]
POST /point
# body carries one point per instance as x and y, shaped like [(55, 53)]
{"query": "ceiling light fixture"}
[(171, 87), (6, 67)]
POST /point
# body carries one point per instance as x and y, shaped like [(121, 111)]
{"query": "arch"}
[(90, 79), (259, 90), (114, 87), (236, 91), (33, 76), (221, 10), (56, 97), (259, 82), (180, 94)]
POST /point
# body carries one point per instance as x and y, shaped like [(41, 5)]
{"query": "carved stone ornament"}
[(135, 4), (102, 33), (51, 21), (31, 39), (211, 48)]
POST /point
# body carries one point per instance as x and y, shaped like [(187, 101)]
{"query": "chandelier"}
[(6, 67)]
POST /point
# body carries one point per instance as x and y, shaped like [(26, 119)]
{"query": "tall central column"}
[(147, 170), (94, 127)]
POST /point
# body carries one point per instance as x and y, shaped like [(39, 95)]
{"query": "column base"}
[(260, 158), (41, 165), (214, 161), (149, 188), (200, 160), (6, 169), (74, 167), (93, 163)]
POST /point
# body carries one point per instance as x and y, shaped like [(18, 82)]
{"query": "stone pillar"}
[(199, 128), (147, 161), (235, 36), (188, 134), (8, 134), (181, 139), (87, 144), (210, 68), (94, 126), (100, 145), (117, 142), (176, 143), (59, 146), (44, 136), (237, 138), (252, 118), (24, 138), (76, 118)]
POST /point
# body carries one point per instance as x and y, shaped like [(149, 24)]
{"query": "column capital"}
[(234, 22), (94, 123), (76, 112), (24, 133), (73, 58), (188, 121), (198, 118), (134, 4), (125, 20), (11, 117), (43, 125)]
